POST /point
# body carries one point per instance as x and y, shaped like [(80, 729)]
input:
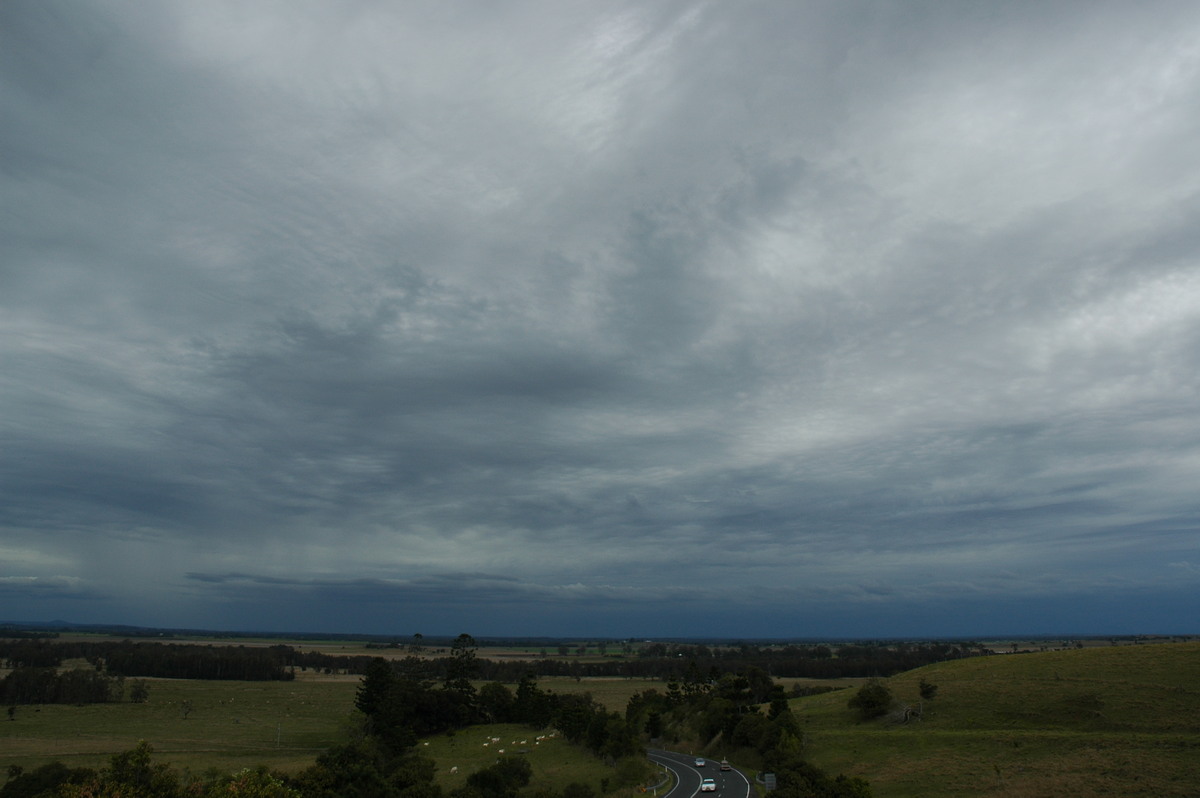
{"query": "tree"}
[(720, 716), (736, 688), (654, 725), (760, 684), (797, 778), (130, 775), (693, 682), (496, 703), (139, 691), (872, 699), (462, 666), (575, 715), (368, 769), (753, 731), (251, 784), (674, 694), (578, 790), (620, 740), (503, 779), (928, 691), (346, 771), (44, 780), (373, 689), (533, 705), (779, 704)]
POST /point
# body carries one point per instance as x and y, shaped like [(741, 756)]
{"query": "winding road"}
[(730, 783)]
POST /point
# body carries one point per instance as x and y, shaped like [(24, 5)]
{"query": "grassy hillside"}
[(1104, 721)]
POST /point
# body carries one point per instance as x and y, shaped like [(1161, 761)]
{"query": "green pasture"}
[(612, 693), (555, 762), (231, 725), (1101, 721)]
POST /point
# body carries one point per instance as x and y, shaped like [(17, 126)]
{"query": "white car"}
[(699, 761), (708, 785)]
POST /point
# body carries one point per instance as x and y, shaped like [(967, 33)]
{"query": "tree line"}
[(75, 686), (666, 662), (164, 660)]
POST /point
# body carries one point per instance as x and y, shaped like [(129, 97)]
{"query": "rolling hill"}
[(1101, 721)]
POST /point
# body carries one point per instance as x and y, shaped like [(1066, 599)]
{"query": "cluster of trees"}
[(30, 653), (351, 771), (47, 686), (80, 686), (132, 774), (403, 702), (724, 714)]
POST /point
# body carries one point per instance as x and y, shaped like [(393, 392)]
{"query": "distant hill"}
[(1093, 721)]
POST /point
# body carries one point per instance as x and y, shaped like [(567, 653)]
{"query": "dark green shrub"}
[(872, 699)]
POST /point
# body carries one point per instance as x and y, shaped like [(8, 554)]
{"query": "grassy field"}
[(1100, 721), (613, 694), (555, 762), (231, 725)]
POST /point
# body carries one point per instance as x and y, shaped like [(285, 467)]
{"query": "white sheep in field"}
[(454, 769)]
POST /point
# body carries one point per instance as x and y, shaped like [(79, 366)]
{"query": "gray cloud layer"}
[(846, 318)]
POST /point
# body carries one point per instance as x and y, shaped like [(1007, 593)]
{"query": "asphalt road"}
[(730, 783)]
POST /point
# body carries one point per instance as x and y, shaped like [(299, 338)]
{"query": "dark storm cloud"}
[(554, 318)]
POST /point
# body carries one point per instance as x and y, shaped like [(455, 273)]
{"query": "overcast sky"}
[(601, 318)]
